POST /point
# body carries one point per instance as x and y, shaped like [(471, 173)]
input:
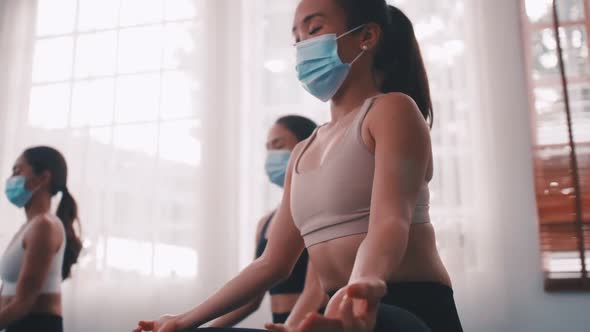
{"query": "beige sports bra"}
[(334, 200)]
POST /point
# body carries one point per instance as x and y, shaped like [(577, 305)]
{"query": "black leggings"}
[(391, 318), (280, 318), (434, 303), (409, 307), (37, 323)]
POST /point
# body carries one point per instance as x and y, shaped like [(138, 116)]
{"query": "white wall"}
[(515, 300)]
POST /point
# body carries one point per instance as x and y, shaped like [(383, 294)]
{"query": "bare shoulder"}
[(299, 148), (396, 111), (44, 228)]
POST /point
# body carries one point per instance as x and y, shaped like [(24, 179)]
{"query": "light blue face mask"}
[(319, 68), (276, 166), (16, 191)]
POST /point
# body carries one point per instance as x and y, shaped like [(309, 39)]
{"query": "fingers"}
[(372, 291), (319, 323), (145, 326), (346, 310), (333, 307), (276, 327), (368, 289)]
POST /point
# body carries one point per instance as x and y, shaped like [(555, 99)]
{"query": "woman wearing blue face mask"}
[(356, 192), (42, 252), (284, 135)]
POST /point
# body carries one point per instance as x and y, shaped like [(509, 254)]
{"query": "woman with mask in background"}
[(42, 252), (283, 136), (356, 192)]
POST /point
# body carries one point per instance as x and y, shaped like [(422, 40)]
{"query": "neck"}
[(39, 204), (352, 96)]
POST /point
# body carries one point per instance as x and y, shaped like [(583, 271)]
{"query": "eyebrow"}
[(309, 18)]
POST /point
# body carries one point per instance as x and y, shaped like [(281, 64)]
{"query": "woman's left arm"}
[(40, 242), (401, 140)]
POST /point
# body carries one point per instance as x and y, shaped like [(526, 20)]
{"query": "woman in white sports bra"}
[(42, 252)]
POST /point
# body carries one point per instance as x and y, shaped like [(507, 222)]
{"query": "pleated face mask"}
[(276, 166), (16, 191), (319, 67)]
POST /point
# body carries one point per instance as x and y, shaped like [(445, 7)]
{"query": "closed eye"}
[(315, 30)]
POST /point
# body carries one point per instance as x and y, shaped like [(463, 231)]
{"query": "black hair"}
[(398, 55), (47, 159), (300, 126)]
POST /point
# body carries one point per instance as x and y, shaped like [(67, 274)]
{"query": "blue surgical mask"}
[(319, 68), (16, 191), (276, 166)]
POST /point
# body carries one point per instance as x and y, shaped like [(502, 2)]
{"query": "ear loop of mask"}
[(364, 48), (351, 31)]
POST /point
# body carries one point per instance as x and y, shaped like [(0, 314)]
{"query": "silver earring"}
[(365, 47)]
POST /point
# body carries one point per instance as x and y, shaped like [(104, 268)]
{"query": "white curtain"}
[(130, 92)]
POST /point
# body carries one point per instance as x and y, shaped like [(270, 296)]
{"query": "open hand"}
[(166, 323), (352, 309)]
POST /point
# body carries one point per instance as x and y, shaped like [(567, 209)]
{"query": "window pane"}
[(92, 103), (179, 94), (542, 10), (174, 261), (179, 142), (98, 14), (551, 120), (55, 16), (96, 54), (140, 49), (580, 104), (102, 136), (277, 31), (573, 43), (53, 59), (138, 97), (49, 106), (544, 52), (179, 44), (141, 11), (129, 255), (182, 9), (137, 138), (280, 80)]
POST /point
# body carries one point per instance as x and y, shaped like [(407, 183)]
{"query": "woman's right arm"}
[(238, 315), (283, 250)]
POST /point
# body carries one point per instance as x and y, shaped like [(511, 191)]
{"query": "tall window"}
[(562, 164), (114, 85)]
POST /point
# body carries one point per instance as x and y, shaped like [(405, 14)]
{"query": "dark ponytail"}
[(67, 212), (398, 56), (46, 159)]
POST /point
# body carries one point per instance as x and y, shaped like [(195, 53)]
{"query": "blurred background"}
[(161, 108)]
